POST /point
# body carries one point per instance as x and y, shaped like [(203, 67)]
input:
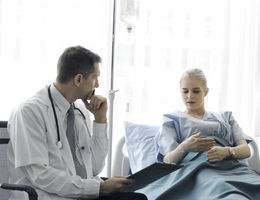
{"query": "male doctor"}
[(54, 146)]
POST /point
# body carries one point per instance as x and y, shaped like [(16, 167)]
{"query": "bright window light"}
[(33, 34)]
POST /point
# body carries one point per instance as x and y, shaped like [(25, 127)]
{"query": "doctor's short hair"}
[(76, 60), (197, 73)]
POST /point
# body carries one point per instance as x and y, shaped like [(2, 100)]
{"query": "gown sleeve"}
[(167, 138), (236, 131)]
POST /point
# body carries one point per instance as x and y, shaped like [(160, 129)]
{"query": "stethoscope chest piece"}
[(59, 144)]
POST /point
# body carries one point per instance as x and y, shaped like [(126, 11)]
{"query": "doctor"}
[(54, 146)]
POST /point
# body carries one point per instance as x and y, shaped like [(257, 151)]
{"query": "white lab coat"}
[(36, 160)]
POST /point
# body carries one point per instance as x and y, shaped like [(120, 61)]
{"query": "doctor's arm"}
[(97, 105), (59, 182), (99, 147)]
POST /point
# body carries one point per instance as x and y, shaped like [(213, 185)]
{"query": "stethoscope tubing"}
[(59, 143), (55, 115)]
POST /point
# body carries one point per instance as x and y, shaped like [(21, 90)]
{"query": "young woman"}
[(211, 147), (193, 126)]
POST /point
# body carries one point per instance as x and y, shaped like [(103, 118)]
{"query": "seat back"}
[(4, 139)]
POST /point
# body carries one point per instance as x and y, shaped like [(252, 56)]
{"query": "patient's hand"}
[(217, 153), (114, 184), (196, 144)]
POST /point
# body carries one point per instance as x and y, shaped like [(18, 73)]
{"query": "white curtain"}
[(33, 34), (163, 38), (222, 37), (242, 66)]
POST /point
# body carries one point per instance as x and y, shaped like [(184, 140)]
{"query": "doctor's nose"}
[(96, 84)]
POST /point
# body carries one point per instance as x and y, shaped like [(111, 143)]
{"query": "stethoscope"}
[(59, 143)]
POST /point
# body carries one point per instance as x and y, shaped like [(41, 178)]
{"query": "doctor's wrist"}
[(100, 120)]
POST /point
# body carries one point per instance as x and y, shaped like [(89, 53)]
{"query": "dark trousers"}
[(124, 196)]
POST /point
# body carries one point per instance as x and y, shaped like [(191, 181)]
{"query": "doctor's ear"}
[(78, 79)]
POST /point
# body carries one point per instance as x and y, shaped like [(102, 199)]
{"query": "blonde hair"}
[(197, 73)]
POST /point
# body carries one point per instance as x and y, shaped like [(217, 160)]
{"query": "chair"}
[(4, 194)]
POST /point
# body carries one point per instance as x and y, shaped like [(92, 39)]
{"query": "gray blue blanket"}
[(200, 179)]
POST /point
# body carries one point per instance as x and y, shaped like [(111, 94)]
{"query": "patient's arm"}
[(240, 151), (192, 144), (175, 156)]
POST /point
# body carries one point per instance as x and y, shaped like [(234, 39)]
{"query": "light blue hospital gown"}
[(178, 126), (200, 179)]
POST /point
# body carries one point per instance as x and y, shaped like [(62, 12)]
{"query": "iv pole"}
[(111, 96), (132, 6)]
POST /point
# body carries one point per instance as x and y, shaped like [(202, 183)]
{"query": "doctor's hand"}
[(98, 106), (197, 144), (114, 184), (217, 153)]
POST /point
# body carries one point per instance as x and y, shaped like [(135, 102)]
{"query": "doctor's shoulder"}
[(27, 110), (30, 108)]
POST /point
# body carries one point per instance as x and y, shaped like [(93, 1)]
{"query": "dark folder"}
[(151, 173)]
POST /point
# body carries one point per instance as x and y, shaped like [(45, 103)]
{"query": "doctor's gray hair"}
[(76, 60), (197, 73)]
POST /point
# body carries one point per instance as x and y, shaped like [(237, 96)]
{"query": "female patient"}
[(187, 131), (210, 146)]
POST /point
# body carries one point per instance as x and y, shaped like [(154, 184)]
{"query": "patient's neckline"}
[(195, 116)]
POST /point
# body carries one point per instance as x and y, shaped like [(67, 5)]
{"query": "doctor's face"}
[(90, 83), (193, 93)]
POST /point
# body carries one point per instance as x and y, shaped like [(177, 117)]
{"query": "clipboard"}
[(151, 173)]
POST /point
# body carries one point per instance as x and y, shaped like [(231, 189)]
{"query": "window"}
[(169, 36), (33, 34)]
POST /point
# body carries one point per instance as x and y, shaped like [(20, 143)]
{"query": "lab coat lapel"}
[(65, 151)]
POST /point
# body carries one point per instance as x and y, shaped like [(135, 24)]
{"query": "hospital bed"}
[(4, 186), (228, 179), (136, 149)]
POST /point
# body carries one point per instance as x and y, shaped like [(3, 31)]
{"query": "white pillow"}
[(140, 145)]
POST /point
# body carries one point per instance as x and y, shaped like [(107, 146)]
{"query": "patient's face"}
[(193, 93)]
